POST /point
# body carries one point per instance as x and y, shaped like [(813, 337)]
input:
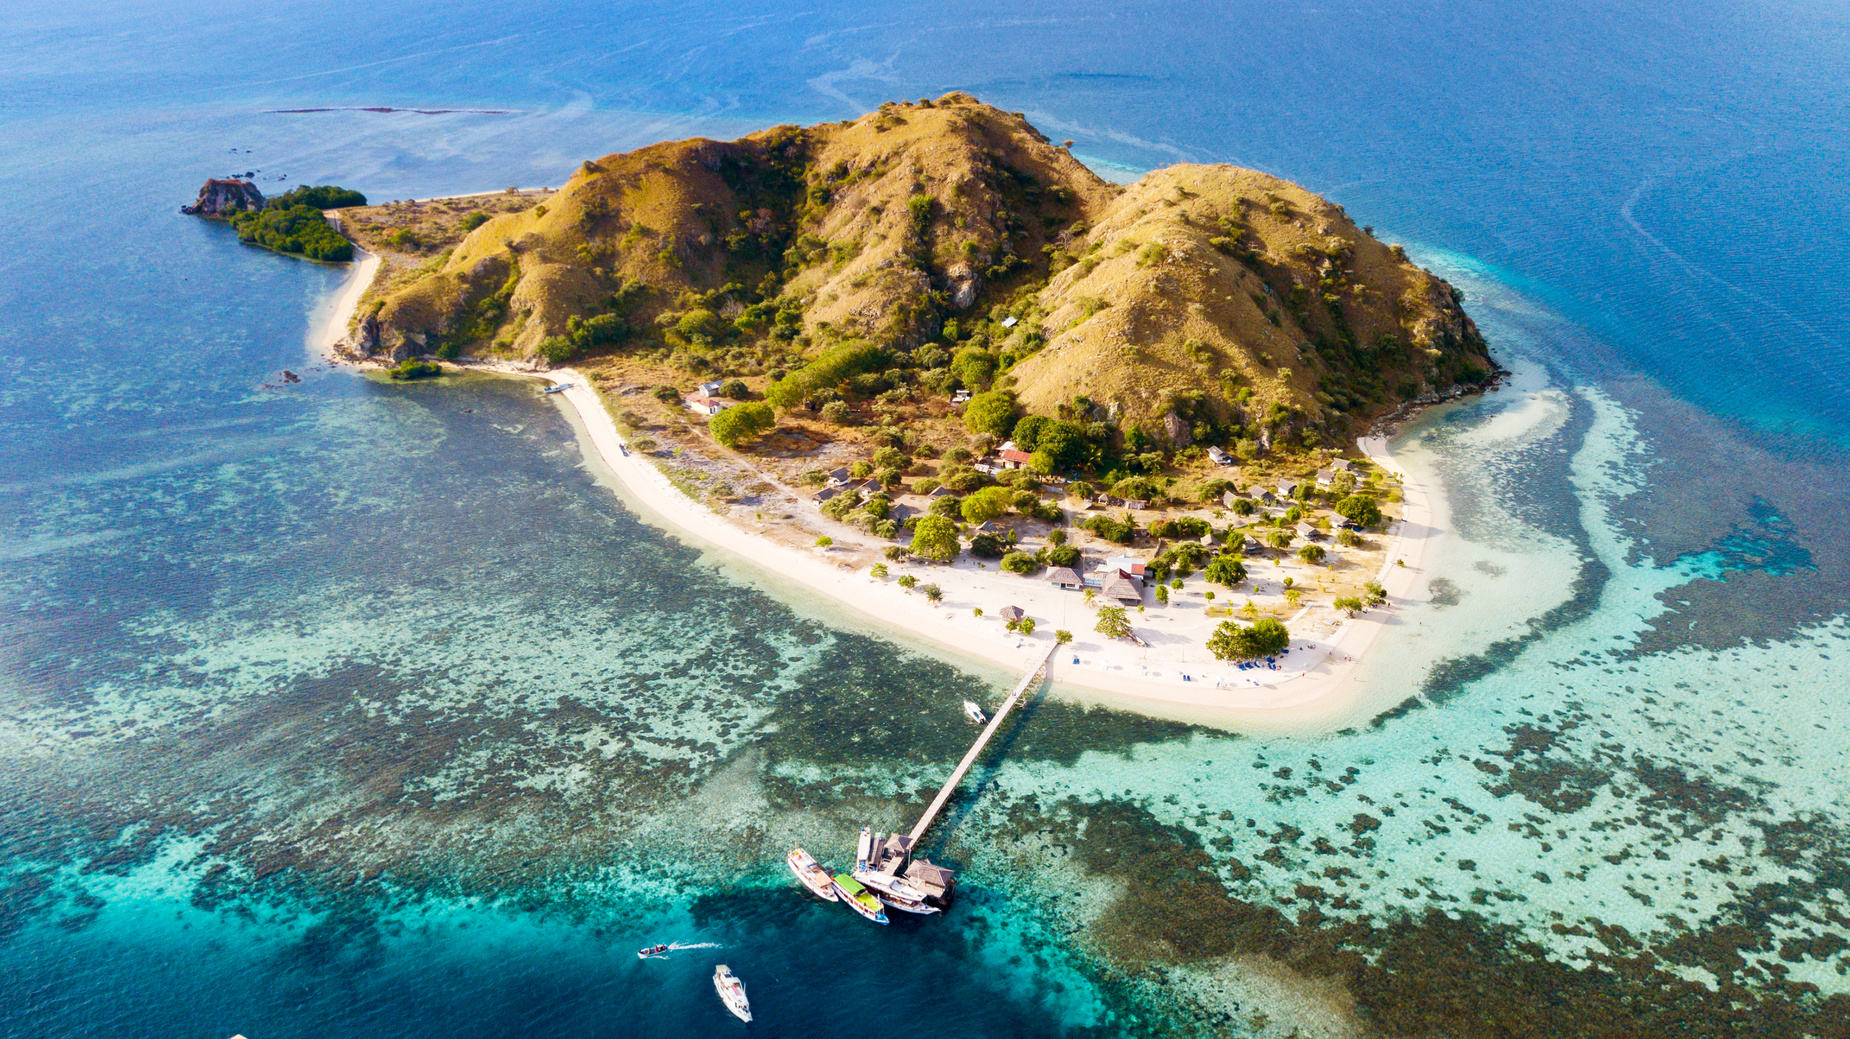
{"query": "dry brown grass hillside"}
[(1207, 301)]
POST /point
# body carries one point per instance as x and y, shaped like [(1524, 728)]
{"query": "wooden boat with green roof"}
[(859, 898)]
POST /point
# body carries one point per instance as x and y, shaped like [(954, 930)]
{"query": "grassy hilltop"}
[(889, 253)]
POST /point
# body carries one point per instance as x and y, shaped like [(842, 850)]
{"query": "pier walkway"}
[(1033, 677)]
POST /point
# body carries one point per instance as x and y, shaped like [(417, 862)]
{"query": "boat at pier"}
[(895, 893), (864, 851), (811, 873), (732, 992), (859, 898), (975, 712)]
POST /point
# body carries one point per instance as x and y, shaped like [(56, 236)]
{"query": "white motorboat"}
[(865, 849), (895, 892), (976, 713), (811, 873), (732, 992)]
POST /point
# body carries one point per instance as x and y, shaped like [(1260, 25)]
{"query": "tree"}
[(992, 412), (976, 611), (1376, 593), (1112, 623), (986, 504), (1063, 555), (1227, 570), (1311, 553), (1062, 636), (1162, 595), (1360, 509), (1279, 539), (824, 541), (1348, 539), (1349, 604), (907, 581), (933, 593), (1023, 563), (1026, 627), (935, 538), (986, 546), (879, 570), (741, 422), (1231, 641)]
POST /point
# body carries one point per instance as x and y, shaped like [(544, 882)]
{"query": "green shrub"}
[(1023, 563), (473, 221), (326, 196), (992, 412), (987, 546), (935, 538), (1226, 570), (1266, 637), (411, 369), (741, 422), (300, 230), (851, 358), (1360, 509)]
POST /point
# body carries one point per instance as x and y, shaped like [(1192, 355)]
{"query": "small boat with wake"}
[(859, 898), (653, 950), (559, 388), (732, 992), (811, 873), (975, 712)]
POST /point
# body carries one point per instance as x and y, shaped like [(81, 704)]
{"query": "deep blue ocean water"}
[(366, 710)]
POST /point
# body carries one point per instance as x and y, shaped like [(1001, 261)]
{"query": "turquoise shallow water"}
[(365, 709)]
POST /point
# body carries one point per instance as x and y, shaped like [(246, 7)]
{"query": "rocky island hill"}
[(898, 296)]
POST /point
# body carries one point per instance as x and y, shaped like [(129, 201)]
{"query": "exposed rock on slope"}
[(221, 197), (1202, 294)]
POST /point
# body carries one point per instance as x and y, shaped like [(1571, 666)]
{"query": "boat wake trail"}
[(679, 947)]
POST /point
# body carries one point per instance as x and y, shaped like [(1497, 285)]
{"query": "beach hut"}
[(1309, 533), (1343, 465), (838, 476), (1063, 577), (1325, 477), (1219, 457), (1122, 587), (823, 495), (1287, 488), (701, 405)]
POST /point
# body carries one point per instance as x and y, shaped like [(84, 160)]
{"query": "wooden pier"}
[(957, 775)]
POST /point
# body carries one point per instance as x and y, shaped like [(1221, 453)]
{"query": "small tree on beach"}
[(1349, 604), (879, 570), (1376, 593), (933, 593), (976, 611), (1226, 570), (1311, 553), (1162, 595), (1112, 623), (1026, 627), (824, 541), (1062, 636), (907, 581), (1231, 641)]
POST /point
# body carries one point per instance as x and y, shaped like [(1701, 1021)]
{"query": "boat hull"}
[(851, 897), (812, 875), (732, 993)]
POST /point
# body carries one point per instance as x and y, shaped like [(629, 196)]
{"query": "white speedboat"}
[(859, 898), (865, 849), (976, 713), (559, 388), (731, 992), (895, 892), (811, 873)]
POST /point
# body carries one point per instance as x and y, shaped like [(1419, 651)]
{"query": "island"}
[(930, 364)]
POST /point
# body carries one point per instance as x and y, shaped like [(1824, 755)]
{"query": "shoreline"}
[(1174, 676), (1318, 670)]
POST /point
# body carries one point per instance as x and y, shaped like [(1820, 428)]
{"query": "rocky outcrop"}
[(224, 197)]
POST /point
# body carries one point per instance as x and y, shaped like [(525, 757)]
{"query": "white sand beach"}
[(1174, 675), (1175, 669)]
